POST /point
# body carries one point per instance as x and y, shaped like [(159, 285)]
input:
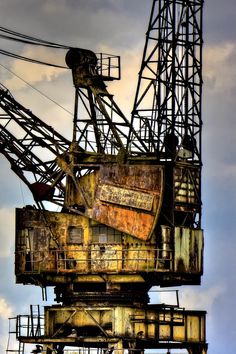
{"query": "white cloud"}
[(200, 299), (3, 340), (190, 298), (5, 309), (219, 67), (7, 231), (32, 73)]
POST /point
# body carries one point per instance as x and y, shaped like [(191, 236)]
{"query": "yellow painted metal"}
[(53, 244), (186, 186), (188, 250), (153, 323), (106, 258)]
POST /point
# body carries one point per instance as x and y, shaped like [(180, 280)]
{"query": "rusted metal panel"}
[(50, 242), (140, 259), (134, 222), (65, 243), (193, 325), (125, 197), (188, 250), (106, 258), (152, 323), (141, 177), (129, 198), (83, 192), (53, 244)]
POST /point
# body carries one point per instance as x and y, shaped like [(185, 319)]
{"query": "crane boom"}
[(41, 156), (32, 147)]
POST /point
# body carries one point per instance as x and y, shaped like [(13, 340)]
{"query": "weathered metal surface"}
[(83, 63), (126, 197), (45, 242), (58, 243), (129, 221), (52, 244), (154, 322), (188, 250), (129, 198), (187, 187), (106, 258)]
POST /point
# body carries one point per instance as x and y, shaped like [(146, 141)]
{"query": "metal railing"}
[(95, 259), (109, 66)]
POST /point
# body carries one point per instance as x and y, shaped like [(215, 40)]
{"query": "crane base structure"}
[(118, 329), (102, 287)]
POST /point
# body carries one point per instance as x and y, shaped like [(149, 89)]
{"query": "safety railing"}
[(31, 325), (109, 66), (168, 315), (95, 259)]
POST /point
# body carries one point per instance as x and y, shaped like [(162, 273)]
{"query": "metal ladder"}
[(35, 320)]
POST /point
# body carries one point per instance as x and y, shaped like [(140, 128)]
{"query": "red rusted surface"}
[(128, 198)]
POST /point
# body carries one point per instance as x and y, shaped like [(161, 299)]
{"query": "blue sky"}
[(118, 27)]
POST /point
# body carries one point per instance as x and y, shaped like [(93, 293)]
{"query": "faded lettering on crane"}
[(126, 197)]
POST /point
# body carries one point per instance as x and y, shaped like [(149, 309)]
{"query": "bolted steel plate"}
[(128, 198)]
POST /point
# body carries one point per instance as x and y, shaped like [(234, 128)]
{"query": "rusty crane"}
[(130, 198)]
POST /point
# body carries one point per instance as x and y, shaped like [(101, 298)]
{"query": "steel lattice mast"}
[(99, 124), (167, 106)]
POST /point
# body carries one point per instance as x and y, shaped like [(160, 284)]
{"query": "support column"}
[(200, 349), (118, 347)]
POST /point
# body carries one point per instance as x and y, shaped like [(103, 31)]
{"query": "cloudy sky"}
[(118, 27)]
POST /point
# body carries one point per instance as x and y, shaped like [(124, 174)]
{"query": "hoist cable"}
[(31, 60), (26, 41), (19, 37), (34, 88), (30, 39)]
